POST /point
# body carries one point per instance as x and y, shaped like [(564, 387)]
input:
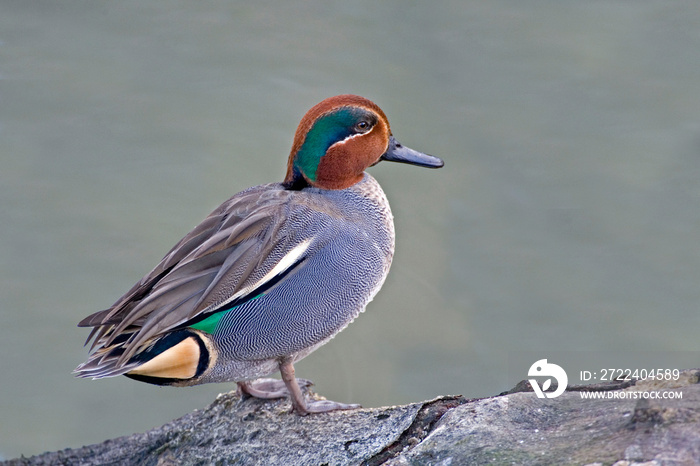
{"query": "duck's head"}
[(339, 138)]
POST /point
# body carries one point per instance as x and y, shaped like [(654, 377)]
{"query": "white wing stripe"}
[(285, 262)]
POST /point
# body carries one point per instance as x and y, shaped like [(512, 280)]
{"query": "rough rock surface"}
[(512, 428)]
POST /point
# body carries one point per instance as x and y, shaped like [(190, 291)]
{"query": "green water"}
[(566, 218)]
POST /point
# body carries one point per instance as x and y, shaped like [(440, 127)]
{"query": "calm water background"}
[(567, 218)]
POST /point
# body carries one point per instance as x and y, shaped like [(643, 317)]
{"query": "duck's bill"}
[(402, 154)]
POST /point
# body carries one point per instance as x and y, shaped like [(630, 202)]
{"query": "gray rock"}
[(620, 428)]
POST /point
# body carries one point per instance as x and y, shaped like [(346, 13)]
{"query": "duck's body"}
[(272, 274)]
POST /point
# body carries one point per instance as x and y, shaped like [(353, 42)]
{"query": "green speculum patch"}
[(325, 132), (209, 324)]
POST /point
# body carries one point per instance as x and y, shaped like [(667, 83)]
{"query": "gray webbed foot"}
[(268, 389), (325, 406)]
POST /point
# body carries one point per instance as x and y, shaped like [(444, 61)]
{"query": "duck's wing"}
[(228, 258)]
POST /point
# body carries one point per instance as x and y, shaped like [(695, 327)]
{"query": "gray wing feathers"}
[(217, 259)]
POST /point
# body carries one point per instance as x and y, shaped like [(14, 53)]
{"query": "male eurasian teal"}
[(269, 276)]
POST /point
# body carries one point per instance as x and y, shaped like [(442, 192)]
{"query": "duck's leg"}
[(299, 403)]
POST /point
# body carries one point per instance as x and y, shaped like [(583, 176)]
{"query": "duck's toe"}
[(325, 406), (269, 389)]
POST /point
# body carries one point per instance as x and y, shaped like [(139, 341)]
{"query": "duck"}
[(272, 274)]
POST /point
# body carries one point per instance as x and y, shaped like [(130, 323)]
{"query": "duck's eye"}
[(362, 126)]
